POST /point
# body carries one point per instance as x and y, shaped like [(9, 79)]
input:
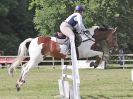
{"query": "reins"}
[(87, 33)]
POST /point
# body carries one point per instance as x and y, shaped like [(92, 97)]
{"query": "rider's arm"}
[(80, 23)]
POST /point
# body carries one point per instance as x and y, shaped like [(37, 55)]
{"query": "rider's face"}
[(82, 13)]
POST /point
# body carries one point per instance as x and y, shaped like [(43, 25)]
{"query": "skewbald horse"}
[(42, 46)]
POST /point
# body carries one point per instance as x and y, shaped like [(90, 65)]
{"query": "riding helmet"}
[(79, 8)]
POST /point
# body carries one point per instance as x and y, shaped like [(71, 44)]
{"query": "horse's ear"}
[(114, 30)]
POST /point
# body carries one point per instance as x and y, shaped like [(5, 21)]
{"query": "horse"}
[(42, 46)]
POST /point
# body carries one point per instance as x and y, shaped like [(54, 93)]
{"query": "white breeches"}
[(66, 29)]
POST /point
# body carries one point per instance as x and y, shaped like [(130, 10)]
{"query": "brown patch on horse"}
[(55, 50), (45, 40), (101, 34), (94, 46), (50, 47)]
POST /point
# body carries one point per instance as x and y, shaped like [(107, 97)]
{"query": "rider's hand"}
[(86, 31)]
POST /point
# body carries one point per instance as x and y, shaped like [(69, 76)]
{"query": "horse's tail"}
[(22, 52)]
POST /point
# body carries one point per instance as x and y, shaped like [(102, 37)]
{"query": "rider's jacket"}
[(75, 20)]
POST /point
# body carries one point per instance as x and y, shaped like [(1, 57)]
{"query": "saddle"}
[(78, 38), (62, 39)]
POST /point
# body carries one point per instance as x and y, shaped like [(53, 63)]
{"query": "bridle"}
[(87, 33)]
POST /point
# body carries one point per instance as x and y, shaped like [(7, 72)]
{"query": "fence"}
[(7, 60), (127, 58), (4, 60)]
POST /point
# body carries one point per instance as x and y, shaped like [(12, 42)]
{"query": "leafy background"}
[(20, 19)]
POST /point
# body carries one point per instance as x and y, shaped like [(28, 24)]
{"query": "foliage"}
[(8, 42), (15, 24), (116, 13), (16, 20), (49, 14), (6, 6)]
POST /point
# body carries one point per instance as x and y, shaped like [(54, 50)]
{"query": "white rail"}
[(114, 58)]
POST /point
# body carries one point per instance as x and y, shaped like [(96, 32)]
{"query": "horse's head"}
[(107, 34)]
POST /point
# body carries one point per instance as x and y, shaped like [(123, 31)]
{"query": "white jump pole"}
[(132, 74), (67, 91), (75, 72)]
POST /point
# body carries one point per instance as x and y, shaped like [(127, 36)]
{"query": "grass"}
[(95, 84)]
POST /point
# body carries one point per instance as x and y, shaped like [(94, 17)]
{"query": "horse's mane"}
[(104, 28)]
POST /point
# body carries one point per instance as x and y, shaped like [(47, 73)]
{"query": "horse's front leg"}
[(97, 62), (99, 57)]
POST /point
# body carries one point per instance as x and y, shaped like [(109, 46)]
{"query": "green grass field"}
[(95, 84)]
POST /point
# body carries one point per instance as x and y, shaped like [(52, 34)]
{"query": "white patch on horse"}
[(85, 48), (93, 29), (35, 48), (53, 39)]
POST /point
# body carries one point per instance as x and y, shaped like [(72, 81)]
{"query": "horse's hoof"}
[(92, 64), (95, 66), (18, 87), (23, 81)]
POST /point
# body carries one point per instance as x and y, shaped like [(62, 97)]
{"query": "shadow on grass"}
[(105, 97), (95, 97), (119, 68)]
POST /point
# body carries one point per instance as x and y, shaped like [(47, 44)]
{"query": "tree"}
[(50, 13), (16, 24), (116, 13)]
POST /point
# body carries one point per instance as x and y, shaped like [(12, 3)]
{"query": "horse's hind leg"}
[(13, 66), (24, 71)]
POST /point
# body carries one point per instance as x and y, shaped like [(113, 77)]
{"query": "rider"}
[(73, 22)]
